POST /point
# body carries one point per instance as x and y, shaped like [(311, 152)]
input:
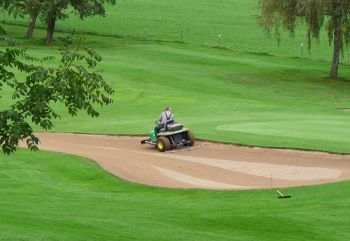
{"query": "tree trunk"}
[(336, 52), (337, 42), (31, 26), (50, 30)]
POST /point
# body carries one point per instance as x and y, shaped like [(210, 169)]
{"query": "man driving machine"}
[(166, 117)]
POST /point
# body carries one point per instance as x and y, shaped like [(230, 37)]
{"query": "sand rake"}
[(282, 196)]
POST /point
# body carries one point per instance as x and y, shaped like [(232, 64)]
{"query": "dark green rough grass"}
[(46, 196)]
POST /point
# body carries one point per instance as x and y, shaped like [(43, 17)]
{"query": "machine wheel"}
[(191, 138), (163, 144)]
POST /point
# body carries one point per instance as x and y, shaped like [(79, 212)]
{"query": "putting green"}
[(296, 128)]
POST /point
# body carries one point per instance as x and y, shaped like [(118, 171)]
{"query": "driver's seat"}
[(174, 127)]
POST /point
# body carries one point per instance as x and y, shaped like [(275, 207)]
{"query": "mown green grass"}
[(222, 95), (200, 22), (231, 96), (46, 196)]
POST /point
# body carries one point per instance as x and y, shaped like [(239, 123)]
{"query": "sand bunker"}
[(213, 166)]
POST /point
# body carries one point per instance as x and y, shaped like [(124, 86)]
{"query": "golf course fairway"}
[(221, 95), (226, 82), (46, 196)]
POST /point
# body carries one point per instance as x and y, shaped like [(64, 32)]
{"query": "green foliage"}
[(71, 83), (276, 14), (16, 8), (55, 9), (88, 8), (83, 8), (2, 31), (51, 10), (315, 13), (22, 8)]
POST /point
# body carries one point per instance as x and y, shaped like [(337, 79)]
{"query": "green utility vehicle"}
[(170, 137)]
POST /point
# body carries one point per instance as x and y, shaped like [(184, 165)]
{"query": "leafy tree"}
[(32, 8), (71, 83), (21, 8), (51, 10), (14, 7), (55, 9), (315, 14)]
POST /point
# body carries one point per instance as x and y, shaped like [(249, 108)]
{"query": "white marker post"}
[(219, 40), (301, 50)]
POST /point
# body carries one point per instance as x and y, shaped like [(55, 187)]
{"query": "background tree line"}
[(49, 11), (334, 15)]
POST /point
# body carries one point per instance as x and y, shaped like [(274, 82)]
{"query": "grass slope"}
[(222, 95), (200, 22), (46, 196)]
